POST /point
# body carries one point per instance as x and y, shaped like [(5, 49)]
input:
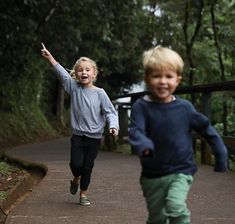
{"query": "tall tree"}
[(196, 8)]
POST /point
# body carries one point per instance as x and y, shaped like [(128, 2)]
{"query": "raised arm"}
[(46, 54)]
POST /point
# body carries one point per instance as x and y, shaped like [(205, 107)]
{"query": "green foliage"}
[(112, 38), (232, 164), (114, 34), (27, 123), (108, 32), (124, 148), (217, 101), (3, 195), (7, 172), (168, 31), (5, 168)]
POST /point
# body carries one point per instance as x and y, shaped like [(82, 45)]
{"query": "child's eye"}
[(156, 75), (169, 76)]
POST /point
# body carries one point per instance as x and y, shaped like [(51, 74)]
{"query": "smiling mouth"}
[(84, 77), (162, 89)]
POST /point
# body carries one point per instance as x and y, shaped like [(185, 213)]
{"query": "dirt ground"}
[(16, 174), (15, 183), (8, 186), (10, 179)]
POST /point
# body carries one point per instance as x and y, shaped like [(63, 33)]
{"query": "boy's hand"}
[(147, 153), (113, 131)]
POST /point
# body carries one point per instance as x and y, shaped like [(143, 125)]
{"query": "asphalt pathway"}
[(114, 191)]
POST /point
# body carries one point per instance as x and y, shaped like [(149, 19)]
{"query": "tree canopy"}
[(114, 34)]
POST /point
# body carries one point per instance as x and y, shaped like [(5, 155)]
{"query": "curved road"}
[(114, 191)]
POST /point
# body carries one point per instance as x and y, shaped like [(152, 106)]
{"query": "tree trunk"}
[(221, 64), (189, 42)]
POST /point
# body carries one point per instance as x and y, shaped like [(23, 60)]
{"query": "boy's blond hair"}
[(93, 63), (159, 58)]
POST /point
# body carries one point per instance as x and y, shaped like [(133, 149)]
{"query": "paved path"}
[(114, 191)]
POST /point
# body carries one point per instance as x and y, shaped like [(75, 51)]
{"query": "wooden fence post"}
[(123, 121), (206, 103)]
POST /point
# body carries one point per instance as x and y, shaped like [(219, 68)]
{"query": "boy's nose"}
[(162, 80)]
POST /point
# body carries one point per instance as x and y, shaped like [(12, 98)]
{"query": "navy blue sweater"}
[(166, 129)]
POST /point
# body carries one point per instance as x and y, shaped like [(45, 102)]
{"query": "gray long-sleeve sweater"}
[(91, 108)]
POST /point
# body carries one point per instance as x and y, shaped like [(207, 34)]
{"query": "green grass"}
[(20, 125), (3, 195), (5, 168)]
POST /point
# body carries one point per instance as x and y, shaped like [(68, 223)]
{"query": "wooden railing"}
[(206, 92)]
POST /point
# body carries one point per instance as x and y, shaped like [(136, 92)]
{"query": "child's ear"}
[(179, 79)]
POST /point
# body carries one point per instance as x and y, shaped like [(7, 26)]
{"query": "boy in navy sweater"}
[(161, 133)]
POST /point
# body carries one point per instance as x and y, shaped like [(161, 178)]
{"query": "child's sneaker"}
[(84, 200), (73, 187)]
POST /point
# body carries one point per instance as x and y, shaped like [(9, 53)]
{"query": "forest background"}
[(113, 33)]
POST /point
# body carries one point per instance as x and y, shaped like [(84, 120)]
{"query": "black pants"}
[(83, 153)]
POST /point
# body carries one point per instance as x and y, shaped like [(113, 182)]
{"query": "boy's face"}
[(162, 83), (85, 73)]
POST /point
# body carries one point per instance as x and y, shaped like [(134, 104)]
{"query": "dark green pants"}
[(166, 198)]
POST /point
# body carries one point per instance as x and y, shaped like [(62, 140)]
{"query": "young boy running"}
[(161, 133)]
